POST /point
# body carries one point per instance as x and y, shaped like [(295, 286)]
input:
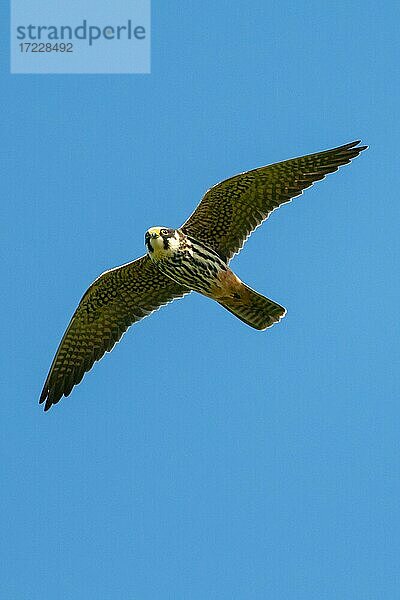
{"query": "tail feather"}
[(252, 308)]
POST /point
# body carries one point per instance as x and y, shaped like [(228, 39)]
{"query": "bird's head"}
[(161, 241)]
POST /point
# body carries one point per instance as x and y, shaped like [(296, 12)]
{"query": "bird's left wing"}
[(113, 302), (233, 208)]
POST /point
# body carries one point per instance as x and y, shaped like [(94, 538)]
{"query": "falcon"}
[(194, 257)]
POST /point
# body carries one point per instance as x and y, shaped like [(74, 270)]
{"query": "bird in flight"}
[(194, 257)]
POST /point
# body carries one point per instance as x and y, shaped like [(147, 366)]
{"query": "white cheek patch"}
[(173, 243)]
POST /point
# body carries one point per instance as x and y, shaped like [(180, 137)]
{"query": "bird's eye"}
[(164, 232)]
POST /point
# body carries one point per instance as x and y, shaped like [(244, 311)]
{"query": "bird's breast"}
[(194, 266)]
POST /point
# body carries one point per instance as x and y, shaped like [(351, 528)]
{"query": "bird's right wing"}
[(113, 302)]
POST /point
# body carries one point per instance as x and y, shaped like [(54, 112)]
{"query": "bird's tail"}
[(253, 308)]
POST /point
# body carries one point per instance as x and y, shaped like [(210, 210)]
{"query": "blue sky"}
[(203, 459)]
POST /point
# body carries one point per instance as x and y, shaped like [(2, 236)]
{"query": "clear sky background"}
[(203, 459)]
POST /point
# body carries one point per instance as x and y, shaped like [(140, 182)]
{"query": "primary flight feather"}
[(194, 257)]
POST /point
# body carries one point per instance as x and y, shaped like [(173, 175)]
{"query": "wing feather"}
[(233, 208), (113, 302)]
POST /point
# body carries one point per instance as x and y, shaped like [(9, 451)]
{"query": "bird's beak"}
[(154, 236)]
